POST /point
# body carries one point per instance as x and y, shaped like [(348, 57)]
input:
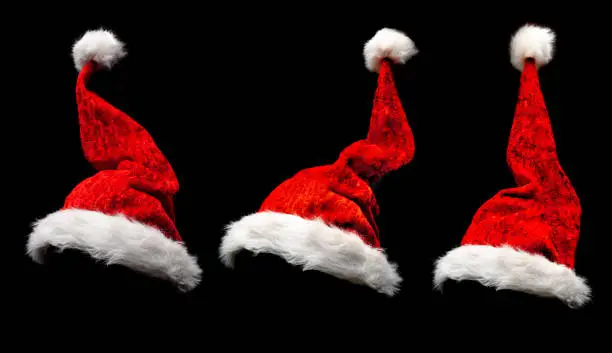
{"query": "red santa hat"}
[(323, 218), (124, 214), (524, 238)]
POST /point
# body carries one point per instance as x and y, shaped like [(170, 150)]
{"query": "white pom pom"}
[(99, 45), (533, 42), (388, 43)]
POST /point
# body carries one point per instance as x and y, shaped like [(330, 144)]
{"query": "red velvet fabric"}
[(134, 177), (541, 215), (340, 193)]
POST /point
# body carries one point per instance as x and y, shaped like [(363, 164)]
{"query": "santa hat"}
[(524, 238), (124, 214), (322, 218)]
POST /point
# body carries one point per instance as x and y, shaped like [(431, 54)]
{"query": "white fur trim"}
[(509, 268), (534, 42), (115, 240), (313, 245), (388, 43), (99, 45)]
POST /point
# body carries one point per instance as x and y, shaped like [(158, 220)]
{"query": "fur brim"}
[(114, 239), (313, 245), (509, 268)]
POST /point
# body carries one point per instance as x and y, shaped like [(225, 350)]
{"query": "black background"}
[(241, 98)]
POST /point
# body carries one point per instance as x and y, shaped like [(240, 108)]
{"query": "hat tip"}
[(534, 42), (100, 45), (388, 43)]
